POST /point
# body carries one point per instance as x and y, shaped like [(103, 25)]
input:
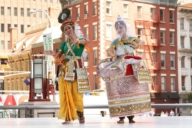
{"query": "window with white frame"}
[(8, 27), (153, 34), (163, 83), (139, 32), (162, 37), (152, 10), (163, 62), (171, 15), (86, 32), (139, 12), (162, 15), (77, 13), (95, 8), (140, 54), (190, 25), (95, 57), (190, 42), (183, 62), (125, 11), (172, 38), (183, 82), (9, 11), (154, 56), (173, 83), (172, 61), (28, 13), (109, 32), (182, 41), (108, 7), (182, 23), (154, 80), (2, 10), (95, 32), (85, 10)]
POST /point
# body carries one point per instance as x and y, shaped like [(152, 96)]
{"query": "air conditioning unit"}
[(85, 15)]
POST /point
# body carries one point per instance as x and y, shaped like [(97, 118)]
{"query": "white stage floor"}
[(99, 122)]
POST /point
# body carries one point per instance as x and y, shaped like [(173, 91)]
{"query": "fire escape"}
[(146, 22)]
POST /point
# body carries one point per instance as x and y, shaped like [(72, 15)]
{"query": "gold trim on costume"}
[(128, 101)]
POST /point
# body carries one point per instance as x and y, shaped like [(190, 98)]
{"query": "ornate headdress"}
[(68, 22), (127, 26)]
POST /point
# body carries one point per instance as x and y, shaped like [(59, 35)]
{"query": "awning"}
[(159, 95), (165, 95), (174, 95)]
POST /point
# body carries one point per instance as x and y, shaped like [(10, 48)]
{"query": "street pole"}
[(52, 58)]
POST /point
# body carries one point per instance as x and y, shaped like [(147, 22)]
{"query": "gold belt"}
[(71, 57)]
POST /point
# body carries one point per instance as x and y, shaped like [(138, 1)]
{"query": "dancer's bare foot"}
[(121, 121), (66, 122), (82, 120)]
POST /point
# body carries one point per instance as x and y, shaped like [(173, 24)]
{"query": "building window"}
[(162, 37), (163, 83), (2, 28), (22, 12), (172, 61), (182, 23), (190, 25), (28, 13), (125, 11), (95, 8), (163, 63), (182, 62), (139, 12), (95, 82), (183, 82), (22, 28), (8, 27), (154, 80), (191, 65), (9, 11), (85, 10), (2, 45), (162, 15), (190, 42), (77, 13), (153, 34), (45, 14), (171, 14), (108, 7), (40, 14), (139, 32), (2, 10), (154, 56), (95, 32), (172, 38), (95, 57), (140, 54), (8, 45), (152, 10), (173, 83), (182, 41), (15, 25), (15, 11), (87, 32), (28, 26), (51, 1), (109, 32)]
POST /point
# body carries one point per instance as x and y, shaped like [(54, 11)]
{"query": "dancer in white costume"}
[(126, 96)]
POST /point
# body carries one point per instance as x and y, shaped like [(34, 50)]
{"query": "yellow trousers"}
[(70, 100)]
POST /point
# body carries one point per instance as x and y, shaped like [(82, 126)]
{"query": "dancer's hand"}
[(111, 51), (134, 44)]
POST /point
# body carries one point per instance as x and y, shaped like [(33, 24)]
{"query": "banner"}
[(48, 49)]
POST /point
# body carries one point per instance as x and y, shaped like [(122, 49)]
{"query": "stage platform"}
[(99, 122)]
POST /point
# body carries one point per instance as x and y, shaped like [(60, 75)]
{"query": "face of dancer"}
[(121, 30), (68, 30)]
